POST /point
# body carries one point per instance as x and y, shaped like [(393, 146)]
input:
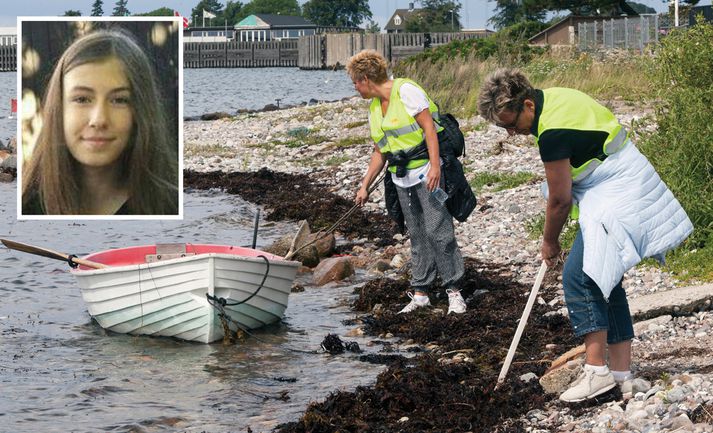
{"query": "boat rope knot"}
[(224, 302), (72, 263)]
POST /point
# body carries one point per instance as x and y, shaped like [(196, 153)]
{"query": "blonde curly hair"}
[(504, 89), (368, 64)]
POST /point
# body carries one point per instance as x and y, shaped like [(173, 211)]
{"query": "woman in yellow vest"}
[(625, 213), (401, 118)]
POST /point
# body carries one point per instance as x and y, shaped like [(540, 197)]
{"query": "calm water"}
[(211, 90), (8, 84), (60, 372)]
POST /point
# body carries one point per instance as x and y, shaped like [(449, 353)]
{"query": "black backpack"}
[(450, 139)]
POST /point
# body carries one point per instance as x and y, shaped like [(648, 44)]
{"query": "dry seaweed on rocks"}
[(439, 392), (297, 197)]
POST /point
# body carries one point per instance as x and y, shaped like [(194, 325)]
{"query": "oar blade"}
[(19, 246), (44, 252)]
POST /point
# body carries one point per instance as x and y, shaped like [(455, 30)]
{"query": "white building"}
[(8, 36)]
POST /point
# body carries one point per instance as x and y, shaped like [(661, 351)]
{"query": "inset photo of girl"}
[(100, 119)]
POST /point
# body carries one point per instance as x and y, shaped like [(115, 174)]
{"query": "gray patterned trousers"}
[(434, 250)]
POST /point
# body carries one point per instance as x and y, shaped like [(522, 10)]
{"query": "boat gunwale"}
[(138, 266)]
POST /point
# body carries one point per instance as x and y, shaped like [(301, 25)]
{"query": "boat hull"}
[(167, 298)]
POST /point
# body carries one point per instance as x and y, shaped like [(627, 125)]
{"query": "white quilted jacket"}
[(626, 213)]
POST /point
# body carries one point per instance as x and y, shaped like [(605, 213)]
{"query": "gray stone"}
[(9, 162), (528, 377), (684, 299)]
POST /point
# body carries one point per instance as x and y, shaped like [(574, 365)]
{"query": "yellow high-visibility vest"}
[(398, 130)]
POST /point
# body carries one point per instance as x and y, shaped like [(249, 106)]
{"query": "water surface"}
[(60, 372), (228, 90)]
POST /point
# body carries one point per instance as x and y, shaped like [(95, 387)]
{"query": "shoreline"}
[(330, 143)]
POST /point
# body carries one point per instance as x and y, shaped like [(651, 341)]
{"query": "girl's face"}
[(98, 118)]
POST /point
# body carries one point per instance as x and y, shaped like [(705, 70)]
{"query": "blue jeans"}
[(588, 310)]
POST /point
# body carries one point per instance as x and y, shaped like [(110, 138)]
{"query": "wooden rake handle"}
[(521, 325)]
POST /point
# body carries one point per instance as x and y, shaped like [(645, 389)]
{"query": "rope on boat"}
[(220, 303), (227, 337), (224, 302), (72, 263)]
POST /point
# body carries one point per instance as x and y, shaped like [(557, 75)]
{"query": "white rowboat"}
[(160, 290)]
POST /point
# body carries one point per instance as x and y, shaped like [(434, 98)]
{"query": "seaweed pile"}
[(448, 385), (297, 197), (437, 393)]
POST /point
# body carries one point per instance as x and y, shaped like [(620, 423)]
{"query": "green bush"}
[(682, 147)]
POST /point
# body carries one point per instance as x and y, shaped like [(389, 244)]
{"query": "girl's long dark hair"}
[(149, 164)]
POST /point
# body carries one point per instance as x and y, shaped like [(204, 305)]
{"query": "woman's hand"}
[(433, 178), (361, 197), (550, 252)]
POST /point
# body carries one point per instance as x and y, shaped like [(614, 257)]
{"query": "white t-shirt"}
[(415, 101)]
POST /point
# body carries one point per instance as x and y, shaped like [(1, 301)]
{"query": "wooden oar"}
[(521, 325), (44, 252)]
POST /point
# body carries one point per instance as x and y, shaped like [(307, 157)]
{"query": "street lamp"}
[(452, 27)]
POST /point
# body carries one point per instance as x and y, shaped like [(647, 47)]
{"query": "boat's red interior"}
[(137, 255)]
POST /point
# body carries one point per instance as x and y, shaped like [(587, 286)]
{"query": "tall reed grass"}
[(454, 82)]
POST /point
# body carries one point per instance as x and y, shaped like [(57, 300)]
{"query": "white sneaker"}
[(415, 303), (456, 304), (588, 385)]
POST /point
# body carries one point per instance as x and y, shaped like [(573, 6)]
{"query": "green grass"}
[(689, 264), (351, 141), (536, 227), (299, 137), (192, 149), (353, 125), (336, 160), (500, 181)]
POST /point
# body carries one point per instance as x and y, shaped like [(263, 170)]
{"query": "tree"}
[(160, 12), (120, 9), (232, 12), (339, 13), (642, 8), (212, 6), (97, 8), (511, 12), (277, 7), (435, 16), (72, 13), (373, 27)]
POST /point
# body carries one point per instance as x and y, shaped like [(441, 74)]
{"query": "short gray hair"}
[(504, 89)]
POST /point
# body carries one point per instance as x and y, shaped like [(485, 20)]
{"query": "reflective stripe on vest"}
[(406, 133)]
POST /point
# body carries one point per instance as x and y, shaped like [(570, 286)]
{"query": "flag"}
[(13, 105), (207, 14), (185, 20)]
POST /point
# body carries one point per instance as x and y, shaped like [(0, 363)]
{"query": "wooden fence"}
[(240, 54), (333, 50), (8, 59)]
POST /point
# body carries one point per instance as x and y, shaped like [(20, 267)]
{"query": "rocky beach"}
[(328, 145)]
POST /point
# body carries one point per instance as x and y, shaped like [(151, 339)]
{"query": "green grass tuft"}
[(500, 181)]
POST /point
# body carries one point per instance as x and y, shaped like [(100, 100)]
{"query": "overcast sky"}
[(475, 13)]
